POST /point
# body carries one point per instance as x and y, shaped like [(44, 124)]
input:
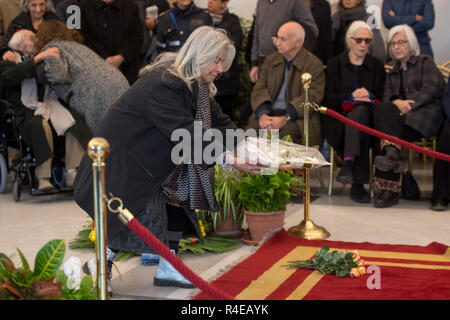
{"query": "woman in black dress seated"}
[(354, 85)]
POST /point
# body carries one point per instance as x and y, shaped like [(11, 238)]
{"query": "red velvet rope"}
[(390, 138), (164, 252)]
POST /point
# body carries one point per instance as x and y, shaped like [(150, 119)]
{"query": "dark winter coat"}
[(138, 128), (112, 29), (340, 84), (423, 83), (228, 82)]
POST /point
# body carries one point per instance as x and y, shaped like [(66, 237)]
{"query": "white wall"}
[(440, 39)]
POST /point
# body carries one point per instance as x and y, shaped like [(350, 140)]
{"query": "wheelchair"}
[(23, 168)]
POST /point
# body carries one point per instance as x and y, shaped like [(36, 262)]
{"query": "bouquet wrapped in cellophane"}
[(277, 153)]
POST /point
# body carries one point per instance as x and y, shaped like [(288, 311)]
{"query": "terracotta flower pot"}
[(260, 223), (228, 228)]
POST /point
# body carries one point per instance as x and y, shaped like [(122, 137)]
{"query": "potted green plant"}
[(264, 199), (45, 281), (227, 221)]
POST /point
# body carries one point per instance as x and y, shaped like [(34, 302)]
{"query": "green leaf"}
[(25, 263), (48, 259)]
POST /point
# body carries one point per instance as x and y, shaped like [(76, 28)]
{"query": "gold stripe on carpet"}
[(306, 286), (407, 265), (402, 255), (271, 279)]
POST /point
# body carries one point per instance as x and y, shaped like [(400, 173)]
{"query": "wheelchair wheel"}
[(3, 173), (16, 190)]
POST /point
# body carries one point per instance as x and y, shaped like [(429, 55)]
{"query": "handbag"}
[(410, 188)]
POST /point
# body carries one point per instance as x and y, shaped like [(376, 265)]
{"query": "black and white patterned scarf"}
[(189, 184)]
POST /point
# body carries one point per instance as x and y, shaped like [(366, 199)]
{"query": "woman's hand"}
[(50, 52), (116, 60), (361, 94), (10, 56), (404, 106), (243, 165)]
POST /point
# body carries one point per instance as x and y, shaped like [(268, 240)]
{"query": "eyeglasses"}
[(366, 40), (400, 43)]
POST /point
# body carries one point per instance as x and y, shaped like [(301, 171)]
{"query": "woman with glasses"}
[(348, 12), (354, 84), (412, 109)]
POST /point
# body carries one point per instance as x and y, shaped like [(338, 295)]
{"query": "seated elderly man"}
[(44, 115), (278, 93)]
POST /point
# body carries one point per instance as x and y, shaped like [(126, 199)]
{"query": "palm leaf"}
[(48, 259)]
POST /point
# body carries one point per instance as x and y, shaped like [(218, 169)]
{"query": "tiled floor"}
[(33, 221)]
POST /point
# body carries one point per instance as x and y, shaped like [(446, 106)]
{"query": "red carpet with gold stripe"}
[(405, 272)]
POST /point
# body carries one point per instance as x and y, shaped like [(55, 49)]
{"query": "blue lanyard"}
[(173, 19)]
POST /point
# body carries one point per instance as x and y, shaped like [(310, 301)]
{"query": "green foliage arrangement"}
[(339, 263), (45, 281), (209, 244), (227, 195), (267, 193)]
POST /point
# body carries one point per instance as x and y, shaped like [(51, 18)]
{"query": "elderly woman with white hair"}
[(411, 110), (348, 12), (34, 12), (173, 94), (354, 85)]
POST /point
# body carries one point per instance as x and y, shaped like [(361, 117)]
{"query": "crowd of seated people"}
[(392, 85)]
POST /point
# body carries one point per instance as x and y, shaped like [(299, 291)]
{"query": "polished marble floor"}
[(33, 221)]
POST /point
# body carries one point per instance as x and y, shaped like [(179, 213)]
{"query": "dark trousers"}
[(178, 224), (387, 119), (358, 143), (441, 173)]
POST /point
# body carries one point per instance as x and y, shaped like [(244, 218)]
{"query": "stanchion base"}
[(309, 230)]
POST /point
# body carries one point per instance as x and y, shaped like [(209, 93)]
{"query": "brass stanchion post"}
[(307, 228), (98, 150)]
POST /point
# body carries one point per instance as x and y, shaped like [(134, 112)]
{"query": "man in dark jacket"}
[(112, 29), (175, 26), (228, 83)]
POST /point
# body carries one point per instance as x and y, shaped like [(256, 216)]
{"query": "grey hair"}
[(200, 50), (410, 36), (355, 26), (48, 5), (16, 41)]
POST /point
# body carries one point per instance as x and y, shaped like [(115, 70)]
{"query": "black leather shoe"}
[(359, 194), (386, 199), (391, 161), (439, 205), (346, 173)]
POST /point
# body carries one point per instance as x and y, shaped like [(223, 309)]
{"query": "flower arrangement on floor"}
[(46, 281), (340, 263)]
